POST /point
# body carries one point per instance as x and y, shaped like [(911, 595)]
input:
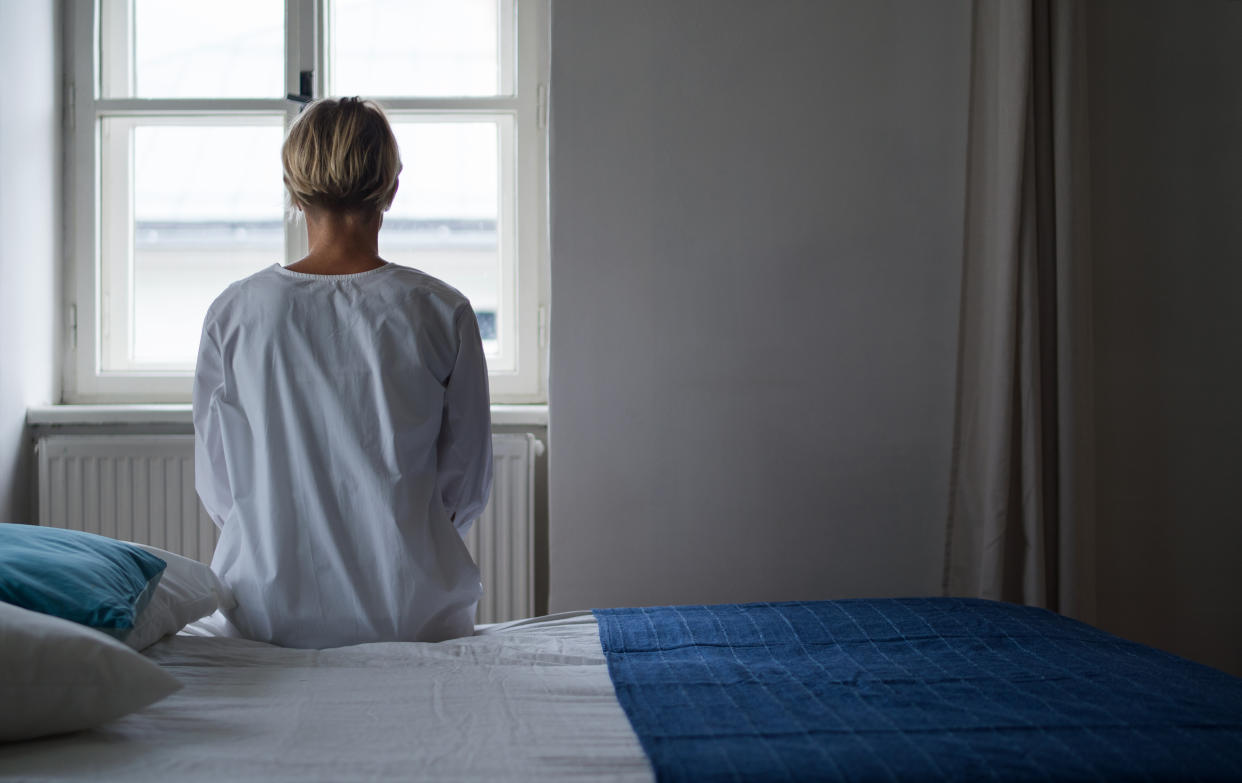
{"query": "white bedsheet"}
[(529, 700)]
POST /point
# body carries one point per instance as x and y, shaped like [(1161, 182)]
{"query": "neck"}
[(341, 242)]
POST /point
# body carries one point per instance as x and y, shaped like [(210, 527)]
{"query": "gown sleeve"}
[(210, 474), (464, 448)]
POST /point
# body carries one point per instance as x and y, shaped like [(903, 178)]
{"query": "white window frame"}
[(85, 382)]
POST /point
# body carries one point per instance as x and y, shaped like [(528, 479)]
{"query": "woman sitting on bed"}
[(341, 421)]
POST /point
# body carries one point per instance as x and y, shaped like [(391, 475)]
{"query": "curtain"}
[(1020, 521)]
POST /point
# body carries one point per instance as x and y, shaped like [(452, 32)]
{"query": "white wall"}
[(756, 237), (29, 241), (1166, 115)]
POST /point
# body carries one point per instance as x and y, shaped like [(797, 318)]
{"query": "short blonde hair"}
[(341, 154)]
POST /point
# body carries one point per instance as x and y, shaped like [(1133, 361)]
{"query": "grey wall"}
[(756, 239), (1166, 115), (29, 241)]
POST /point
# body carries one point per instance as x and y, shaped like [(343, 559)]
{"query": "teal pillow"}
[(96, 581)]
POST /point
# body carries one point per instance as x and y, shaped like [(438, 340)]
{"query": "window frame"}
[(306, 49)]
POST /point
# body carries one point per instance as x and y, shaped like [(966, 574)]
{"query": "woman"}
[(342, 432)]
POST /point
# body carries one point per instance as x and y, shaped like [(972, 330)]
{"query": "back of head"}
[(341, 154)]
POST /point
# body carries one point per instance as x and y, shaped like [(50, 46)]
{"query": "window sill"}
[(79, 415)]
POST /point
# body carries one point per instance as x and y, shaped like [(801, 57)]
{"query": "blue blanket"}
[(912, 689)]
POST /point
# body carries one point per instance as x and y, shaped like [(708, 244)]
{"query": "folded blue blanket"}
[(912, 689)]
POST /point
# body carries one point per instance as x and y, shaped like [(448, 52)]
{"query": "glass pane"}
[(445, 216), (221, 49), (208, 210), (432, 48)]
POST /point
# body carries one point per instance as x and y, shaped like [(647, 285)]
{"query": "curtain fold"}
[(1021, 504)]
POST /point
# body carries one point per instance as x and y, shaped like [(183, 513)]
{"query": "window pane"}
[(207, 210), (222, 49), (445, 217), (432, 48)]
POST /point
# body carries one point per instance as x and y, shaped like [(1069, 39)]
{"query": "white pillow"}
[(58, 676), (187, 591)]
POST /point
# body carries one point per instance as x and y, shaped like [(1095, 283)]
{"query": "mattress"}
[(528, 700), (885, 689)]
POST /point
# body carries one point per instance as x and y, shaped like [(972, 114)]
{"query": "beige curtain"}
[(1021, 505)]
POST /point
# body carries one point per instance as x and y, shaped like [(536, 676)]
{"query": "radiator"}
[(141, 488)]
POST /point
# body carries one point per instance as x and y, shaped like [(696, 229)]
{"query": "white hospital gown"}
[(343, 447)]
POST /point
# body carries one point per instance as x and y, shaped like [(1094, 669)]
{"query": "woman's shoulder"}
[(416, 280), (240, 289), (428, 293)]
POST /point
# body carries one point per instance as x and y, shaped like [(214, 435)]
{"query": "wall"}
[(756, 237), (1166, 114), (29, 234)]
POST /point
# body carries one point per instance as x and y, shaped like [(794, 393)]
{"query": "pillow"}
[(96, 581), (187, 591), (58, 676)]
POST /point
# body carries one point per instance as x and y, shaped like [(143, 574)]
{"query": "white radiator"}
[(141, 488)]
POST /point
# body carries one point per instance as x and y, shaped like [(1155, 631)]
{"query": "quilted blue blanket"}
[(912, 689)]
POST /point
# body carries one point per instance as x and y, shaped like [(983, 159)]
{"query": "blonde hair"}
[(341, 154)]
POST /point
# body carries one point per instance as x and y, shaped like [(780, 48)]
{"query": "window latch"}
[(305, 93)]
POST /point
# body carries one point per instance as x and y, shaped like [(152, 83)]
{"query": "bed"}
[(895, 689)]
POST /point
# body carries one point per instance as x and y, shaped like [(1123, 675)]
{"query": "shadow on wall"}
[(1167, 241)]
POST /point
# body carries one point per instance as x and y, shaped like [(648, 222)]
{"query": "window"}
[(175, 116)]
